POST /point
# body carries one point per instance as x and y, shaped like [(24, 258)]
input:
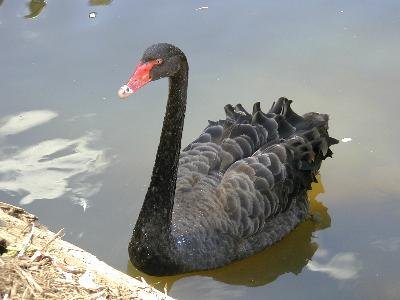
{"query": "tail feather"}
[(243, 134)]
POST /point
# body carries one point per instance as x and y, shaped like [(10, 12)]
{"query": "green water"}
[(77, 157)]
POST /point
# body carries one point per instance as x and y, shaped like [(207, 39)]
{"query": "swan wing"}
[(254, 166)]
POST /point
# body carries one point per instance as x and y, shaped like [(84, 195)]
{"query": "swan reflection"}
[(290, 255), (51, 168)]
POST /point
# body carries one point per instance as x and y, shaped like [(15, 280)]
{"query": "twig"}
[(58, 234), (37, 256), (166, 289), (28, 277), (27, 241), (13, 291), (98, 295), (144, 281), (26, 293)]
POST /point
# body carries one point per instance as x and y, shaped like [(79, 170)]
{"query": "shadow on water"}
[(290, 255)]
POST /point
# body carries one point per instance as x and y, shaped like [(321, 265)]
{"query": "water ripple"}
[(387, 245)]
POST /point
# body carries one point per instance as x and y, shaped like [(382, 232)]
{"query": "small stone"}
[(3, 246)]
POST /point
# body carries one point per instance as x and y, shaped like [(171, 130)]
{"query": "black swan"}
[(238, 188)]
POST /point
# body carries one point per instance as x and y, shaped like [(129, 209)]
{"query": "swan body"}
[(237, 189)]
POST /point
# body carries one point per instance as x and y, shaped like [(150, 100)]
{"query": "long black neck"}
[(159, 200)]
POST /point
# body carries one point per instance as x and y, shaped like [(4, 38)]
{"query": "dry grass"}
[(41, 277), (36, 264)]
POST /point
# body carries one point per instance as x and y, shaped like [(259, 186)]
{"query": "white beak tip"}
[(124, 91)]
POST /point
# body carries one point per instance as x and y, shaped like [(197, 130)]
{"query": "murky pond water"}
[(77, 157)]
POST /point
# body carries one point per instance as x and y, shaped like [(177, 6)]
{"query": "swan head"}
[(158, 61)]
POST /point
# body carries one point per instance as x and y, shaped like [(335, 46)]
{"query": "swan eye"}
[(159, 61)]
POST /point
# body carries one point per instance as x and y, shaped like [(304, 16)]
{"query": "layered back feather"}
[(242, 183)]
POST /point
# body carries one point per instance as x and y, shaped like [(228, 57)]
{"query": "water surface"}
[(77, 157)]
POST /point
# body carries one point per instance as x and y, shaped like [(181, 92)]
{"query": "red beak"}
[(139, 78)]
